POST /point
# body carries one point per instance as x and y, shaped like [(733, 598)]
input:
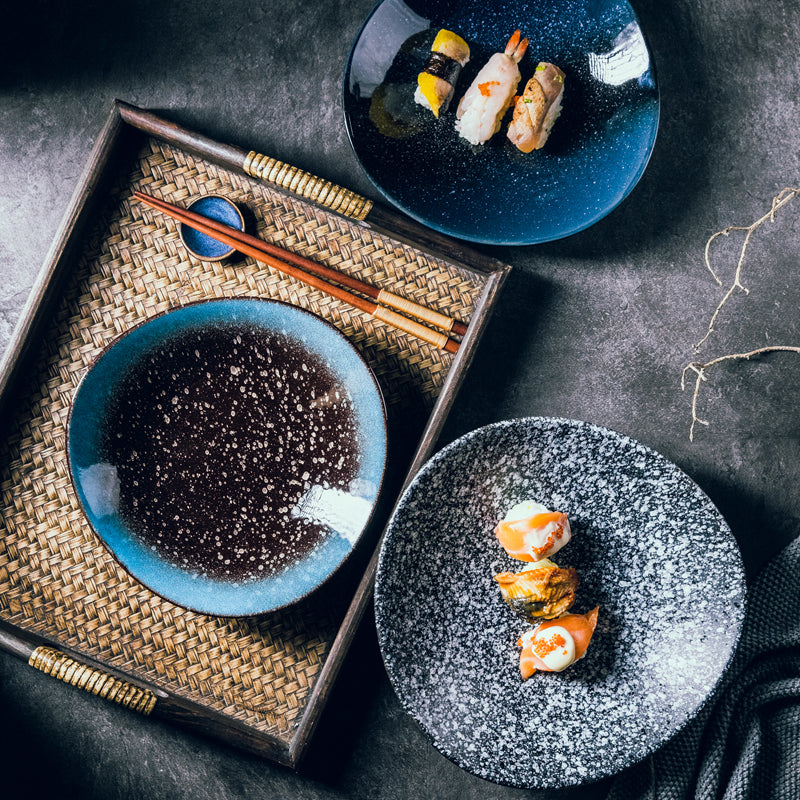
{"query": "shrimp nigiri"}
[(530, 532), (482, 107), (557, 643)]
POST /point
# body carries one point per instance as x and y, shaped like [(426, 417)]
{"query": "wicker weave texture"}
[(56, 579)]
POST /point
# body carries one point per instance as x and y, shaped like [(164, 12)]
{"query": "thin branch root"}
[(779, 201), (700, 371)]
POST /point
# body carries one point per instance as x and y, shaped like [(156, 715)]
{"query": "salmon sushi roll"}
[(531, 532), (554, 645)]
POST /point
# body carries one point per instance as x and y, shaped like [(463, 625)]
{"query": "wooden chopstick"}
[(380, 296), (299, 267)]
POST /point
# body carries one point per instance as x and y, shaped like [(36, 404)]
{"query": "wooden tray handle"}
[(66, 669), (287, 177), (307, 186)]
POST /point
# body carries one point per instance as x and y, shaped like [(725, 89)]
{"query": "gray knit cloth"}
[(745, 743)]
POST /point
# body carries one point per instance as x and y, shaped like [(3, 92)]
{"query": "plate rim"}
[(242, 299), (532, 420)]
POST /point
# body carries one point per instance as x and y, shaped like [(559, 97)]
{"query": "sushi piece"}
[(537, 108), (531, 532), (437, 81), (542, 591), (553, 645), (482, 107)]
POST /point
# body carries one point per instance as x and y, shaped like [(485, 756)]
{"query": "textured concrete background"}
[(597, 327)]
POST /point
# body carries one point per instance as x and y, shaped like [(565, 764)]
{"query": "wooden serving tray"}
[(65, 605)]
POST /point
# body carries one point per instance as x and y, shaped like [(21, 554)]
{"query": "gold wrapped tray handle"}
[(92, 680), (279, 173), (307, 186)]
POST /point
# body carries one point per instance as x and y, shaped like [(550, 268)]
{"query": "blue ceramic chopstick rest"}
[(201, 245)]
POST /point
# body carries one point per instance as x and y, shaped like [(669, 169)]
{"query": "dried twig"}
[(700, 370), (780, 200)]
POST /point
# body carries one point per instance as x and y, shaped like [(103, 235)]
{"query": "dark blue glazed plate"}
[(229, 453), (494, 193), (220, 209), (650, 550)]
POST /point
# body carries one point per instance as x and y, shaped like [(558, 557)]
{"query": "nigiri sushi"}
[(437, 81), (542, 591), (537, 108), (482, 107), (531, 532), (553, 645)]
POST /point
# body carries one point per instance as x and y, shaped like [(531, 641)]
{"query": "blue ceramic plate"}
[(495, 194), (229, 453), (650, 550)]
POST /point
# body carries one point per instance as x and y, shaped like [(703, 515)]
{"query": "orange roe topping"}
[(543, 647), (484, 87)]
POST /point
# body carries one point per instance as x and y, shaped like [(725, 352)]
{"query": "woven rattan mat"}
[(55, 577)]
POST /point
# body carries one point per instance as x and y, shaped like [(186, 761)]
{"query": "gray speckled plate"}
[(651, 550)]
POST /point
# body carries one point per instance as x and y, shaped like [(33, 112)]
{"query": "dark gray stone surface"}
[(596, 327)]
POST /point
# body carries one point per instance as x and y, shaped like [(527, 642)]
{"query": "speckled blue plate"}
[(495, 194), (229, 453), (650, 549)]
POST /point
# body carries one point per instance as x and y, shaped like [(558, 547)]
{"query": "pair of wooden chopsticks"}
[(320, 277)]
